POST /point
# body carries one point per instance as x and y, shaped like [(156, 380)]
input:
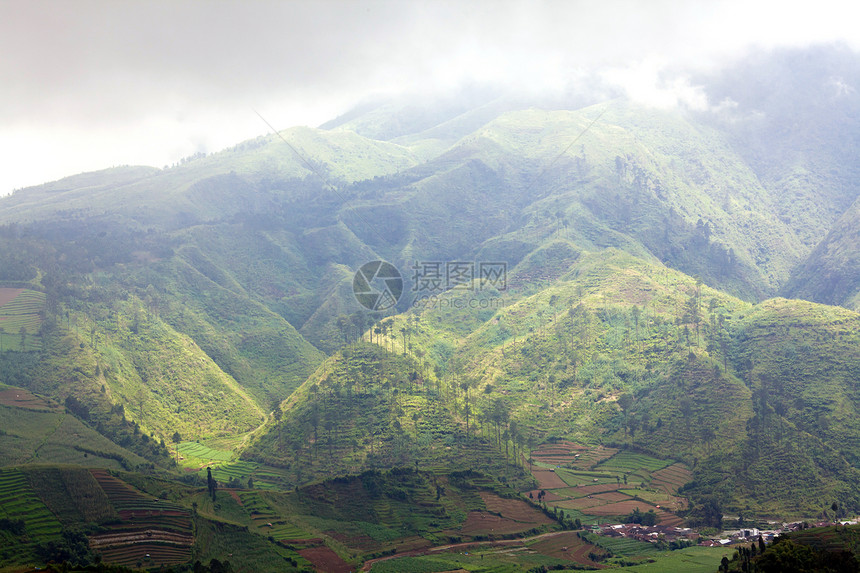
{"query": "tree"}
[(211, 484), (708, 436)]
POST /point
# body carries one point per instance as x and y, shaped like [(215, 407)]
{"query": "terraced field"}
[(20, 309), (624, 547), (600, 484), (151, 532), (19, 502), (568, 454), (195, 454), (267, 520), (567, 546), (670, 479)]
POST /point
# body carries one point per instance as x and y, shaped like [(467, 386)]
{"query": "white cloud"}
[(92, 83), (646, 82)]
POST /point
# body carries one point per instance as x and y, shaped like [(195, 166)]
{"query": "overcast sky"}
[(86, 85)]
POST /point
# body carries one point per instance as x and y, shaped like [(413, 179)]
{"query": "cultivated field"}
[(19, 502), (21, 312), (568, 546), (599, 484), (324, 559), (21, 398), (151, 532)]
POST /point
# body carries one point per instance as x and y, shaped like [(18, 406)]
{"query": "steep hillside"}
[(792, 115), (213, 300), (626, 353), (368, 408), (831, 273)]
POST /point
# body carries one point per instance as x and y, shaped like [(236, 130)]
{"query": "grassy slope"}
[(45, 432), (367, 408), (638, 181), (563, 357), (800, 360), (830, 274)]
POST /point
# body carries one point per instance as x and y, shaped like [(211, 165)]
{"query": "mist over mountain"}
[(679, 282)]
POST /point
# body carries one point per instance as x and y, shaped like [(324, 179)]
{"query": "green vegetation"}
[(28, 524), (21, 315), (196, 326), (832, 548)]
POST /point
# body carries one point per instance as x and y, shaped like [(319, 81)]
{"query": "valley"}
[(609, 333)]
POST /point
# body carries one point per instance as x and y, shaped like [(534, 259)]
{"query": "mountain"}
[(589, 272)]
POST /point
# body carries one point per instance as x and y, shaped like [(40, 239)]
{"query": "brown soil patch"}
[(363, 542), (9, 294), (412, 543), (515, 509), (555, 460), (613, 496), (598, 488), (325, 560), (483, 523), (548, 480), (580, 503), (621, 508), (569, 547), (20, 398), (235, 496)]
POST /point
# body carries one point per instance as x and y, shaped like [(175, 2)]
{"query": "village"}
[(683, 536)]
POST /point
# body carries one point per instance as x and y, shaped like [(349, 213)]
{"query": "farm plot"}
[(21, 398), (580, 478), (631, 462), (199, 452), (623, 546), (609, 485), (483, 523), (264, 517), (688, 560), (146, 554), (514, 509), (21, 312), (590, 457), (671, 478), (592, 489), (581, 503), (72, 494), (151, 532), (568, 454), (568, 546), (551, 455), (18, 502), (324, 559), (626, 507), (658, 498), (548, 480)]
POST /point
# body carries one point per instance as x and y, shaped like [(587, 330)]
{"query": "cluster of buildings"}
[(649, 533), (667, 534)]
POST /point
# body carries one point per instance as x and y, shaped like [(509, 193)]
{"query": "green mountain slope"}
[(628, 353), (34, 429), (641, 249), (831, 273)]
